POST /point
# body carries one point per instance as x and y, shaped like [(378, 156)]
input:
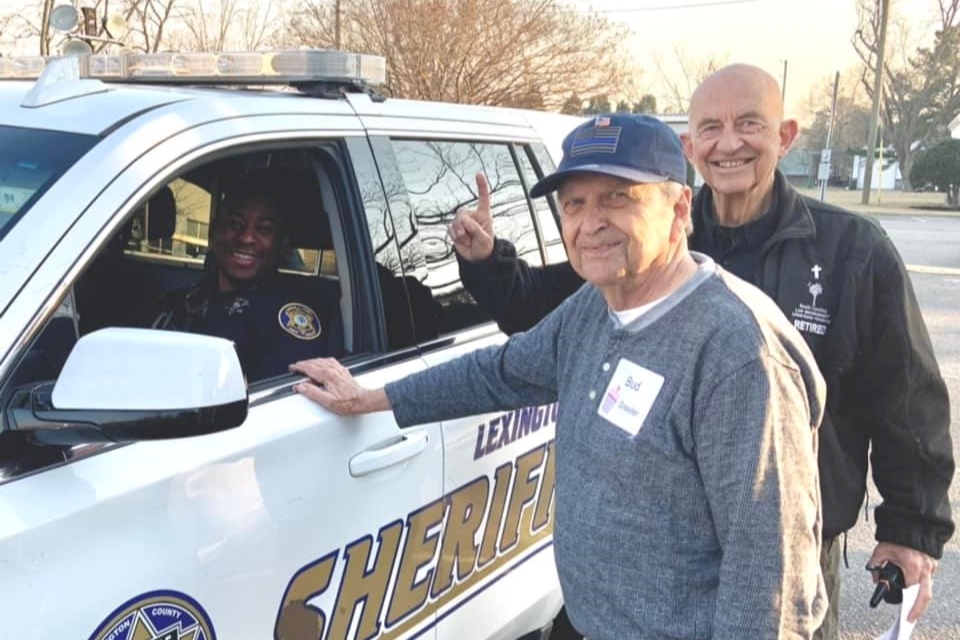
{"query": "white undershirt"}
[(627, 316)]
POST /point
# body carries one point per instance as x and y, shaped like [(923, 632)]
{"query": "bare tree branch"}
[(525, 53), (221, 25), (21, 26), (681, 75), (8, 29), (920, 92)]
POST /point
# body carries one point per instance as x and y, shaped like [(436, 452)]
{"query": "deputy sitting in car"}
[(273, 319)]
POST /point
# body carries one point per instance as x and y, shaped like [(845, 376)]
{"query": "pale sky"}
[(814, 36)]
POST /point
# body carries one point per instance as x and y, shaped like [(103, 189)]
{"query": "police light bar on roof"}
[(255, 67)]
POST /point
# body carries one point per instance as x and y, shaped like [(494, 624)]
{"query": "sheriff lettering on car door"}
[(414, 567)]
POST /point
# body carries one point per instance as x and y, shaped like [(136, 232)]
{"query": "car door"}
[(495, 576), (289, 526)]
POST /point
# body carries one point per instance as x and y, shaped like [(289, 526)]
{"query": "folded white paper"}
[(902, 629)]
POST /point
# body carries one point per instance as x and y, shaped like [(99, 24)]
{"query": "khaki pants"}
[(830, 565)]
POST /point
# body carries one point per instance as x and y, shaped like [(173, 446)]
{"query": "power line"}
[(692, 5)]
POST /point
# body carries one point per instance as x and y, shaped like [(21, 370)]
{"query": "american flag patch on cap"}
[(596, 140)]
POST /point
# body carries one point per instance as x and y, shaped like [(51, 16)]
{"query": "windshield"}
[(30, 161)]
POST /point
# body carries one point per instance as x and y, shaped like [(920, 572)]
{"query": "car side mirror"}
[(129, 385)]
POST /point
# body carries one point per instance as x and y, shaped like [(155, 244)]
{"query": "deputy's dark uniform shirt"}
[(276, 323)]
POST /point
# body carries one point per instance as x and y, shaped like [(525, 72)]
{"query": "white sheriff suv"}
[(150, 489)]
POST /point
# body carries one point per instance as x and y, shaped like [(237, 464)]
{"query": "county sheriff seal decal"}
[(158, 615), (300, 321)]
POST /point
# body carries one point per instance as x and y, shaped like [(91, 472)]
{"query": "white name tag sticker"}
[(629, 396)]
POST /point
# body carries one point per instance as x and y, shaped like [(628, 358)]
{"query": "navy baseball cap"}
[(634, 147)]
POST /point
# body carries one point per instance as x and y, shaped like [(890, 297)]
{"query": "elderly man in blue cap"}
[(687, 498)]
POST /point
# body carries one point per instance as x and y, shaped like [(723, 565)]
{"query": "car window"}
[(543, 207), (137, 277), (30, 161), (439, 177), (410, 312), (173, 225), (293, 178)]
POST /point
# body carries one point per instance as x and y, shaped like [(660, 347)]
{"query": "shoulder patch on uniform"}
[(299, 320)]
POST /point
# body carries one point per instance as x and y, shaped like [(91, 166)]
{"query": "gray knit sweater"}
[(687, 498)]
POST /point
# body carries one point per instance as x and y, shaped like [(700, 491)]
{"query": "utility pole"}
[(783, 84), (877, 98), (825, 157), (336, 25)]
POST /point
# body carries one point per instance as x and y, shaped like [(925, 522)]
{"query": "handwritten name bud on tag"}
[(629, 396)]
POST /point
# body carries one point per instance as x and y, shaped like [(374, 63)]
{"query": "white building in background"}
[(888, 177), (954, 128)]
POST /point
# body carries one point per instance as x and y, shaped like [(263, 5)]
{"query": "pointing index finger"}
[(483, 192)]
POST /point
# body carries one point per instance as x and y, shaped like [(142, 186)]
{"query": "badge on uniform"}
[(300, 321)]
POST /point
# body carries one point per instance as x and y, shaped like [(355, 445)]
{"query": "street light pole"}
[(875, 111), (827, 151), (880, 185)]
